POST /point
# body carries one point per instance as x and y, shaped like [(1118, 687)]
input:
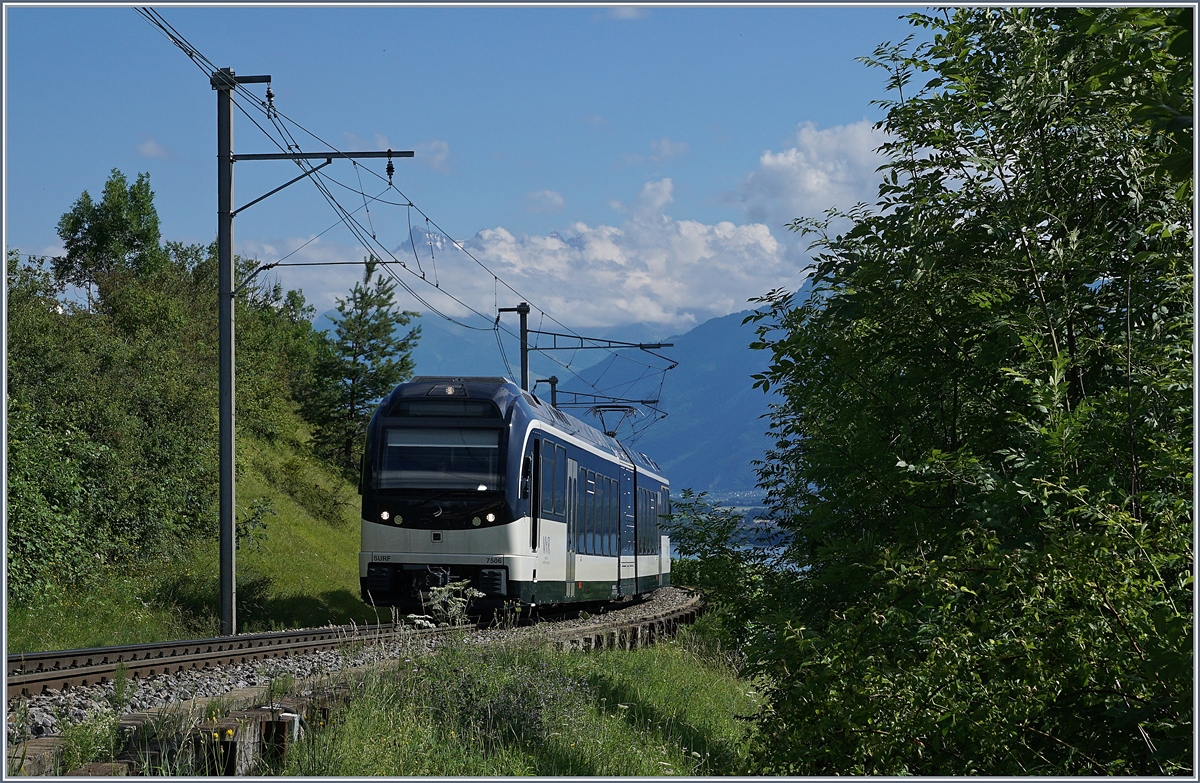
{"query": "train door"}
[(572, 522), (535, 495), (626, 560)]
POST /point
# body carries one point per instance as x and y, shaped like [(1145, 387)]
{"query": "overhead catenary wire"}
[(408, 202), (287, 142), (359, 232)]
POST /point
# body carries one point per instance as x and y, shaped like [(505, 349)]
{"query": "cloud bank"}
[(649, 267), (652, 268), (835, 167)]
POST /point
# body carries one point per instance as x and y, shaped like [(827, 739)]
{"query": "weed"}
[(95, 738), (217, 706), (447, 606), (252, 525), (531, 711), (279, 686), (118, 698), (509, 616)]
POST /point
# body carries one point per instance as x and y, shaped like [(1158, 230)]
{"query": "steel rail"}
[(29, 673), (37, 672)]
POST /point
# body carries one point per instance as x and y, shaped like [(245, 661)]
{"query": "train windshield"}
[(429, 458)]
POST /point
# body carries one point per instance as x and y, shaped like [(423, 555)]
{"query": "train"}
[(473, 479)]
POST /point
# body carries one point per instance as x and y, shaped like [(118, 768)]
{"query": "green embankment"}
[(667, 710), (301, 570)]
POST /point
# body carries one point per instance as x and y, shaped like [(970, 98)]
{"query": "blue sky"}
[(616, 165)]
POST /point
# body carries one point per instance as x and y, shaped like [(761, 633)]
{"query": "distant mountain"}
[(715, 426)]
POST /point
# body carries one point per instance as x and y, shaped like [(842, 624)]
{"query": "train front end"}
[(437, 505)]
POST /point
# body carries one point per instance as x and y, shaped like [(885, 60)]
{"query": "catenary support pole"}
[(523, 309), (223, 82)]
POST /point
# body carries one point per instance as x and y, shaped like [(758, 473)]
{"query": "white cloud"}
[(627, 12), (152, 149), (663, 149), (435, 154), (544, 201), (321, 284), (835, 167), (652, 268)]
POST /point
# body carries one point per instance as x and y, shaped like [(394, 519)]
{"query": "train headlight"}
[(384, 515), (475, 521), (481, 487), (491, 517)]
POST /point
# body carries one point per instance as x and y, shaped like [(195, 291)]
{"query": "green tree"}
[(118, 235), (363, 361), (112, 408), (983, 447)]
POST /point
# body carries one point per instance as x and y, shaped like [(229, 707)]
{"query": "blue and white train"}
[(474, 479)]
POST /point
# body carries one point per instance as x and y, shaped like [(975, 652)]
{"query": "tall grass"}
[(519, 710)]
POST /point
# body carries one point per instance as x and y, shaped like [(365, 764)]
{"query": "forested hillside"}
[(112, 357), (983, 442)]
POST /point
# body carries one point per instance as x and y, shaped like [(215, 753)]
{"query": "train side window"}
[(560, 481), (652, 523), (526, 475), (549, 465), (605, 514), (589, 499), (590, 535), (643, 520), (581, 514), (614, 513), (614, 516)]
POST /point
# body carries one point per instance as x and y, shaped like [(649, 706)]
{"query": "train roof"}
[(504, 393)]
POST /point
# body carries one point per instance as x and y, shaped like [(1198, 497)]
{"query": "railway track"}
[(252, 725), (30, 673), (33, 673)]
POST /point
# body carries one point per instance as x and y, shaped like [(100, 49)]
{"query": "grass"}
[(666, 710), (303, 570)]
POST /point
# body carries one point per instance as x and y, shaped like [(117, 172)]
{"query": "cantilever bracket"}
[(281, 187)]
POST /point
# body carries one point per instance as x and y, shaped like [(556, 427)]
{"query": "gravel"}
[(43, 715)]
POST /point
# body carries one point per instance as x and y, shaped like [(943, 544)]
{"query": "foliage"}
[(252, 525), (110, 447), (354, 370), (109, 240), (302, 574), (983, 444), (96, 738), (112, 401), (738, 575)]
